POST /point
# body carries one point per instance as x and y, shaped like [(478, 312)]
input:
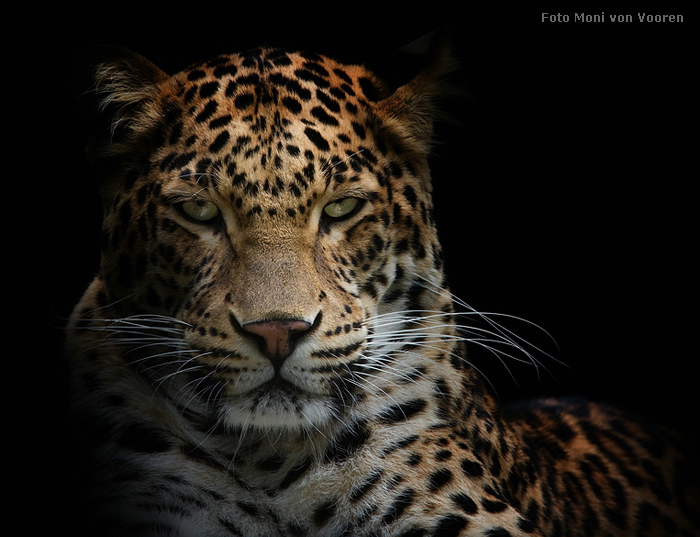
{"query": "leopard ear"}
[(122, 90), (412, 108)]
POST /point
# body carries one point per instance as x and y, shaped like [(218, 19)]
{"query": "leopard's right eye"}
[(202, 211), (341, 208)]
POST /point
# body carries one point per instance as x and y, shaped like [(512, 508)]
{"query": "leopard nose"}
[(277, 339)]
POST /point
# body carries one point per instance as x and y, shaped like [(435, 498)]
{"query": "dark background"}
[(564, 193)]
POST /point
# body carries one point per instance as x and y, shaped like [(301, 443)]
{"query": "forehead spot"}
[(319, 141)]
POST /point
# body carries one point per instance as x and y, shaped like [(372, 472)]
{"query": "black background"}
[(565, 194)]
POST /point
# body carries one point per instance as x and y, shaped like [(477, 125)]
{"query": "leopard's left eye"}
[(203, 211), (341, 208)]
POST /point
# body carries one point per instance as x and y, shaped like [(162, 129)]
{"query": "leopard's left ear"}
[(412, 108)]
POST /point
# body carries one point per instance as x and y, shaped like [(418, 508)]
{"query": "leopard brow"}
[(202, 180), (178, 196), (208, 174), (363, 194), (343, 186), (335, 168)]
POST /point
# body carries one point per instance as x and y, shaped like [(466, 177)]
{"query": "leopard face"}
[(265, 215)]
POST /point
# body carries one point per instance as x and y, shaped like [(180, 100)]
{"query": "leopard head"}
[(267, 220)]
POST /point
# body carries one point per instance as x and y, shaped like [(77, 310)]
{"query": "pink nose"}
[(277, 338)]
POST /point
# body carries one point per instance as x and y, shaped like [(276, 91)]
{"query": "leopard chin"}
[(279, 405)]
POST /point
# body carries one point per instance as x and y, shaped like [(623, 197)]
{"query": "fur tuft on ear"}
[(412, 109), (123, 88)]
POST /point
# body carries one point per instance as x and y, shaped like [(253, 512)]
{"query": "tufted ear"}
[(413, 107), (122, 89)]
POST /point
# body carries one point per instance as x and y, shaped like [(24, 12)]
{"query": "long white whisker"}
[(408, 332), (487, 316)]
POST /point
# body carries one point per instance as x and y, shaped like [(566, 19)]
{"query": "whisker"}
[(407, 332)]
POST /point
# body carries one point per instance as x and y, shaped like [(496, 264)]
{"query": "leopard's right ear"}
[(120, 99)]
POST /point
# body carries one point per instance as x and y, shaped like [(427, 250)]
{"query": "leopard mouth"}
[(279, 404), (280, 389), (244, 390)]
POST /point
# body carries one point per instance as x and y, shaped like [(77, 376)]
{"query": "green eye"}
[(341, 208), (202, 211)]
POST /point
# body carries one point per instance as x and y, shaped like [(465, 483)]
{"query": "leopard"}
[(270, 346)]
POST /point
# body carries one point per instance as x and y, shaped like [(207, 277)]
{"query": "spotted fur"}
[(280, 370)]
